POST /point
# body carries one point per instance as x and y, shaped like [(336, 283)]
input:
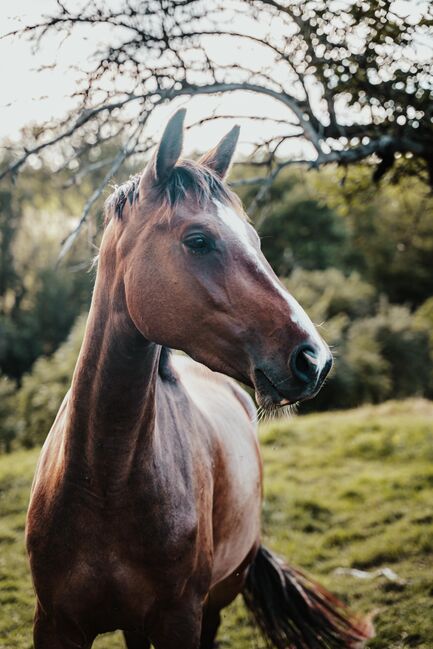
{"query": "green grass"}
[(351, 489)]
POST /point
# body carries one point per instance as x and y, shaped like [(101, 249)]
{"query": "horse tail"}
[(294, 612)]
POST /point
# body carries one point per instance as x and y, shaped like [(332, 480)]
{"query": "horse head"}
[(195, 279)]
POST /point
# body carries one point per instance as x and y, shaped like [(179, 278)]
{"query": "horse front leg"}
[(178, 627), (210, 626), (136, 640), (50, 635)]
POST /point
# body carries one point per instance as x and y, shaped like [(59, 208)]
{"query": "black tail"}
[(294, 612)]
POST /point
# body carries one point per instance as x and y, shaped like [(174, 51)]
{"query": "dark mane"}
[(122, 193), (192, 179), (188, 179)]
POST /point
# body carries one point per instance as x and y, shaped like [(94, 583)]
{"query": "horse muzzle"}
[(300, 380)]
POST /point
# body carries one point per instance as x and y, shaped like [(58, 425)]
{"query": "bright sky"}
[(30, 96)]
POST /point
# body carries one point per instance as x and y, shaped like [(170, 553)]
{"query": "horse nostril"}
[(304, 363)]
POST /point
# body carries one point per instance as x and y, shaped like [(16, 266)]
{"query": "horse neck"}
[(112, 407)]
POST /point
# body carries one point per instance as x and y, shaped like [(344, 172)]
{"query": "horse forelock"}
[(188, 181), (116, 201)]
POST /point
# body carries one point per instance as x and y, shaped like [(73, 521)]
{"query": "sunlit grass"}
[(352, 489)]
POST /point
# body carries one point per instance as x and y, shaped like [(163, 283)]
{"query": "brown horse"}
[(145, 508)]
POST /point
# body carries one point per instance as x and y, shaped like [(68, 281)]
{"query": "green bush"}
[(381, 350), (43, 390), (297, 228), (329, 293), (8, 423), (424, 322)]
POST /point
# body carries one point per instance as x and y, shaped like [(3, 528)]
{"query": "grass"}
[(352, 489)]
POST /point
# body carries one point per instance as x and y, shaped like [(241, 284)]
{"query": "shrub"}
[(43, 390), (380, 350), (330, 293), (8, 424)]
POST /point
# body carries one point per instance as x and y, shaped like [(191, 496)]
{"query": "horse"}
[(144, 513)]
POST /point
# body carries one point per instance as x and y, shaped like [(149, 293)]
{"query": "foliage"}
[(42, 324), (9, 221), (348, 81), (389, 231), (381, 350), (424, 321), (43, 390), (310, 229), (7, 414), (38, 302), (322, 219), (342, 490), (297, 229), (424, 317)]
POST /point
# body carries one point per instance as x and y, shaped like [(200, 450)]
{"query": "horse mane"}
[(187, 180)]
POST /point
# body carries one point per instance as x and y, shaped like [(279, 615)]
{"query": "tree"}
[(296, 229), (381, 350), (354, 80), (43, 390), (390, 231), (38, 303), (7, 414)]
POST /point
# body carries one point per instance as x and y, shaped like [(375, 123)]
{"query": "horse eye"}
[(199, 244)]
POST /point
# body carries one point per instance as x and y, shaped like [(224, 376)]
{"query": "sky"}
[(23, 88), (30, 96)]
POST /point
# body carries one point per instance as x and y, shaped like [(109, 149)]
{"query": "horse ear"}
[(219, 158), (168, 152)]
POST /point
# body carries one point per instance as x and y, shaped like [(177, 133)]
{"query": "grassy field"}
[(352, 489)]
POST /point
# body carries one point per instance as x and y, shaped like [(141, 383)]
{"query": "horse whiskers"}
[(287, 411), (261, 413), (271, 411)]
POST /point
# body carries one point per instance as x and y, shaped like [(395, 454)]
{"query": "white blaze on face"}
[(298, 316)]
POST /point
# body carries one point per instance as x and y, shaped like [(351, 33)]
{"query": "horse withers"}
[(145, 508)]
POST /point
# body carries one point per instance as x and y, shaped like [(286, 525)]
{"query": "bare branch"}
[(127, 150), (82, 119), (344, 79)]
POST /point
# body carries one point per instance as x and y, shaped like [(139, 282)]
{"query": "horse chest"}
[(115, 563), (119, 545)]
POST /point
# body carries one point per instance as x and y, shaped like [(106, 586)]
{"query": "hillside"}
[(352, 489)]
